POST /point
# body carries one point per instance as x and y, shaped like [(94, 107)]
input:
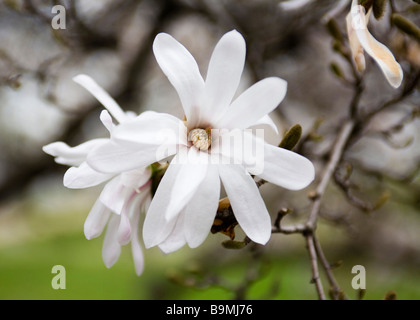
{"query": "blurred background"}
[(374, 222)]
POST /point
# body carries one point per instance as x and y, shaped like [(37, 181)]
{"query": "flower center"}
[(201, 138)]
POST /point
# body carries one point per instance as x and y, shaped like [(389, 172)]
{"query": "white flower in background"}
[(124, 196), (185, 204), (289, 5), (361, 40)]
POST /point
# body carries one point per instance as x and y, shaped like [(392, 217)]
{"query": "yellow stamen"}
[(200, 138)]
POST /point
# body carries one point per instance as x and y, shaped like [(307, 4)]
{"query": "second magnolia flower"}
[(185, 203)]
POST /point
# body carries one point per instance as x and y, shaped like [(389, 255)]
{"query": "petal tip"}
[(80, 78)]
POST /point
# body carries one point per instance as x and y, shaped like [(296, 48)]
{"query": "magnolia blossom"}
[(185, 203), (123, 197), (361, 40)]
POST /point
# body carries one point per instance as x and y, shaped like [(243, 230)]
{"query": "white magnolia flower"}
[(185, 203), (361, 40), (123, 197)]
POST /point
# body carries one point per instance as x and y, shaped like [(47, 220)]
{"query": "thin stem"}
[(337, 153), (336, 291), (300, 228), (314, 263)]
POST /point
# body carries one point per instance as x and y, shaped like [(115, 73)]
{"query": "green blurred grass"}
[(25, 273), (57, 239)]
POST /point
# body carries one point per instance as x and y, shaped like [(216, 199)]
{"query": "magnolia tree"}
[(173, 178)]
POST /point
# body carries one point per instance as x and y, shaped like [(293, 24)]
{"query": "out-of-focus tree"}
[(361, 133)]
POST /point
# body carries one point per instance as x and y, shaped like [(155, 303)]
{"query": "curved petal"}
[(115, 195), (256, 102), (247, 204), (286, 168), (137, 253), (152, 128), (156, 228), (136, 249), (106, 120), (176, 239), (202, 208), (139, 142), (72, 156), (355, 46), (241, 147), (136, 179), (265, 121), (191, 173), (84, 177), (114, 157), (182, 71), (96, 220), (111, 249), (124, 229), (102, 96), (223, 75), (379, 52)]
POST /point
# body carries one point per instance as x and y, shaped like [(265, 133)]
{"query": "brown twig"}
[(336, 292), (314, 263), (336, 155)]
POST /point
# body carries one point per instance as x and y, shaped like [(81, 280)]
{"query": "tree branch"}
[(336, 155), (336, 292), (314, 263)]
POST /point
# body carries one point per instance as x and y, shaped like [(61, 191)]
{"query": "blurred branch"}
[(335, 158), (80, 34), (336, 155), (310, 244), (336, 292), (22, 174)]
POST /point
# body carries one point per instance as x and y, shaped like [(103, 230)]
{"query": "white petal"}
[(241, 147), (136, 248), (102, 96), (72, 156), (117, 157), (247, 204), (147, 201), (139, 142), (137, 253), (266, 121), (379, 52), (107, 120), (182, 71), (156, 228), (152, 128), (84, 177), (256, 102), (355, 46), (96, 220), (114, 195), (286, 168), (191, 173), (202, 208), (223, 75), (176, 239), (111, 249), (124, 229), (136, 178)]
